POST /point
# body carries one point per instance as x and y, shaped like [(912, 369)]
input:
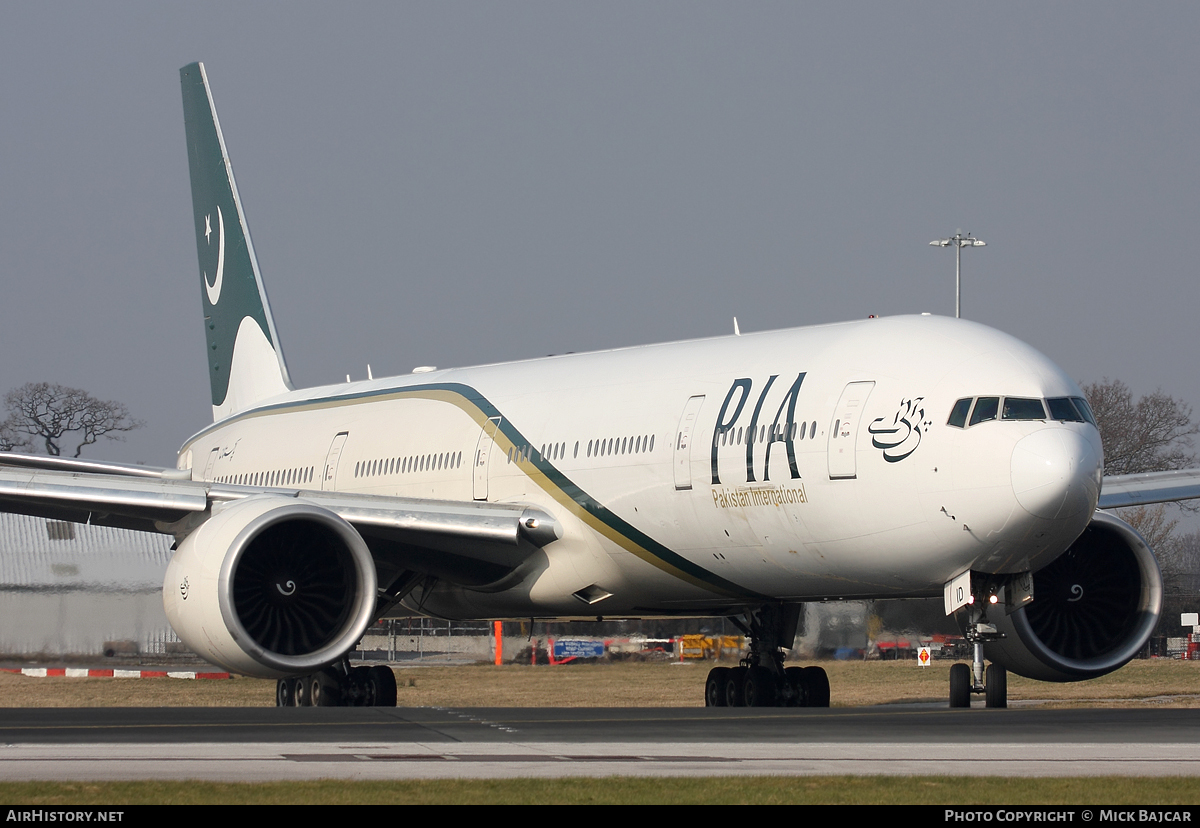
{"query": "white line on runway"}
[(416, 760)]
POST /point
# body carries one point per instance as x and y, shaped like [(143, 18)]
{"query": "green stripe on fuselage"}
[(548, 477)]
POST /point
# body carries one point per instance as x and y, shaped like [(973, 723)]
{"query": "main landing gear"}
[(761, 680), (339, 685)]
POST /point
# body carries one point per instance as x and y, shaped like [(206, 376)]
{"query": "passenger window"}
[(986, 408), (958, 414), (1018, 408)]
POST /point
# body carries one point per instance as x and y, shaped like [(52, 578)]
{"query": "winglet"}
[(245, 360)]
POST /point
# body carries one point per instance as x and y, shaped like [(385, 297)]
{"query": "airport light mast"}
[(959, 241)]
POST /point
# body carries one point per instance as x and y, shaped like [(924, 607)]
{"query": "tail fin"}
[(245, 360)]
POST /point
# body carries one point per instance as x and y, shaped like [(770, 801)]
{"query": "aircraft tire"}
[(960, 685), (714, 687), (383, 681), (996, 679), (735, 687), (285, 692), (760, 688), (794, 676), (816, 684), (300, 692)]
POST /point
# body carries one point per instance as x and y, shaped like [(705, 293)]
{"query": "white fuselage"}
[(665, 503)]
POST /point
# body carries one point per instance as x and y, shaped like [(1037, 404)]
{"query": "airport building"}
[(69, 590)]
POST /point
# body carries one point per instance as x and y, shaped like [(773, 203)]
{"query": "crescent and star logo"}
[(214, 290), (184, 588)]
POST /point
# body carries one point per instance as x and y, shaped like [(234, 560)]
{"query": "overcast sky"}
[(454, 183)]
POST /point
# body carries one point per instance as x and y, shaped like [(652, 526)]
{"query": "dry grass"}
[(1141, 683)]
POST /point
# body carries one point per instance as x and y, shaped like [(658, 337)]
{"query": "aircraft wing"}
[(1152, 487), (465, 541)]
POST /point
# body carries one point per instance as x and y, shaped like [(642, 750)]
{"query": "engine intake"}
[(1094, 608), (271, 586)]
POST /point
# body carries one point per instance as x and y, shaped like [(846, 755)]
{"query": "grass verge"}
[(620, 790), (1154, 683)]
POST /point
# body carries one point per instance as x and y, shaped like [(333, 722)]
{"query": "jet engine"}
[(1093, 610), (271, 586)]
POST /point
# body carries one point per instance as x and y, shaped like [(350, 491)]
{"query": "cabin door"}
[(683, 443), (329, 473), (843, 431), (212, 461), (483, 454)]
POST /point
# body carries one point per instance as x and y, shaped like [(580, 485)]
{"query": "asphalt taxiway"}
[(254, 744)]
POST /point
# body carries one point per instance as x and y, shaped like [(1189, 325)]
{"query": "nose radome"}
[(1056, 473)]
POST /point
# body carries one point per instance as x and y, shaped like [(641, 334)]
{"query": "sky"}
[(453, 183)]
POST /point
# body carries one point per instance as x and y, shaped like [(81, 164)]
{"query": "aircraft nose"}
[(1056, 473)]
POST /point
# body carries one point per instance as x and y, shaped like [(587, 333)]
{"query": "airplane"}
[(737, 476)]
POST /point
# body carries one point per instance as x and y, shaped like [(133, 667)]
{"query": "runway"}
[(258, 744)]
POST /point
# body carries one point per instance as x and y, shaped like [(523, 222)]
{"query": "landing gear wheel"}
[(960, 685), (816, 685), (285, 693), (361, 691), (735, 687), (383, 684), (760, 689), (300, 691), (794, 676), (714, 687), (997, 686), (323, 690)]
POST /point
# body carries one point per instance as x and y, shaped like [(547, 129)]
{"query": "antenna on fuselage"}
[(736, 330)]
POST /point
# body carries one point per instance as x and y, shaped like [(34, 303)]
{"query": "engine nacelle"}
[(270, 586), (1094, 608)]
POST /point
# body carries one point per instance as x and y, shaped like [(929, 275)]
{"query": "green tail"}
[(245, 360)]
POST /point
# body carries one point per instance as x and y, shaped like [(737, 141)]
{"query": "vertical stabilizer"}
[(245, 361)]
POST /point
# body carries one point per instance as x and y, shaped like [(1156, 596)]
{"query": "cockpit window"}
[(986, 408), (1063, 410), (958, 414), (1019, 408), (1084, 409)]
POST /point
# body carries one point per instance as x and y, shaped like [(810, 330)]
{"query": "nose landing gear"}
[(761, 680), (992, 683)]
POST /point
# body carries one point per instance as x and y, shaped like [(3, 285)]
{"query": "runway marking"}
[(383, 760)]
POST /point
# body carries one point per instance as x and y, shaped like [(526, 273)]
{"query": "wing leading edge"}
[(1152, 487), (446, 538)]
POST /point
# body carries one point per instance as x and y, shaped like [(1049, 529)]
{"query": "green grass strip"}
[(624, 790)]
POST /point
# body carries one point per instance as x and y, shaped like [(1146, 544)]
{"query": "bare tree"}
[(50, 414), (1153, 524), (1153, 433), (10, 441)]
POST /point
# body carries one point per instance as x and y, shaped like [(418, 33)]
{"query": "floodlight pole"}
[(959, 241)]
